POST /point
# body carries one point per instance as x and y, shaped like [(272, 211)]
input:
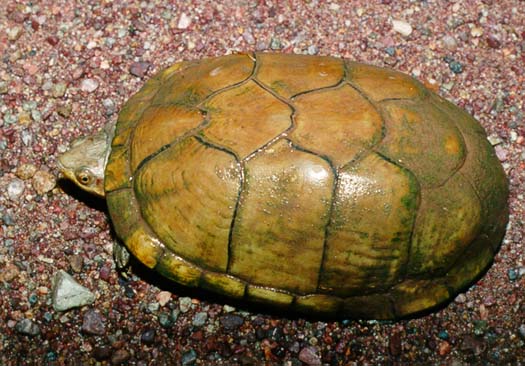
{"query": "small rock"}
[(231, 321), (93, 323), (473, 345), (493, 41), (43, 182), (521, 331), (309, 356), (64, 110), (52, 40), (511, 273), (9, 273), (476, 32), (24, 118), (444, 348), (27, 327), (163, 297), (480, 327), (27, 137), (25, 171), (184, 21), (461, 298), (15, 188), (139, 69), (456, 67), (58, 90), (120, 356), (443, 334), (312, 50), (228, 309), (501, 153), (189, 357), (450, 42), (275, 44), (110, 106), (248, 37), (148, 336), (402, 27), (14, 33), (68, 294), (101, 353), (184, 304), (89, 85), (199, 319)]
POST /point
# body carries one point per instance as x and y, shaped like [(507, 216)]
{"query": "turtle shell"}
[(313, 183)]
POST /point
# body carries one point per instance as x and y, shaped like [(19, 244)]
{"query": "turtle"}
[(313, 184)]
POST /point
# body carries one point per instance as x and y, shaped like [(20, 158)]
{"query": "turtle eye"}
[(84, 176)]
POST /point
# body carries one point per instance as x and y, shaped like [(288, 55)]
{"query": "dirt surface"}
[(66, 69)]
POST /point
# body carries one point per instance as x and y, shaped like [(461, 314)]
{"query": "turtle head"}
[(85, 161)]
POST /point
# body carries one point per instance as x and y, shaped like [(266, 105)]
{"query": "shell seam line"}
[(404, 266), (335, 184)]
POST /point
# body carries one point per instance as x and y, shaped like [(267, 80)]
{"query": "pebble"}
[(456, 67), (148, 336), (9, 273), (43, 182), (93, 323), (313, 50), (68, 294), (14, 33), (444, 348), (402, 27), (275, 44), (15, 188), (120, 356), (163, 297), (228, 309), (76, 262), (189, 357), (184, 21), (480, 327), (231, 321), (449, 42), (248, 37), (139, 69), (65, 110), (501, 153), (27, 137), (521, 331), (443, 334), (25, 171), (512, 274), (309, 356), (184, 304), (199, 319), (89, 85), (493, 41), (110, 106), (58, 90), (27, 327), (101, 353), (461, 298)]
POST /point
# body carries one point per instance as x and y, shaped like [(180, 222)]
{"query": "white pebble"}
[(184, 21), (89, 85), (15, 189), (402, 27)]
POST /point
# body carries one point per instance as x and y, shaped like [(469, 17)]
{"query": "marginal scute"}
[(144, 247), (243, 126), (223, 283), (266, 295), (379, 84), (413, 296), (193, 188), (377, 306), (160, 126), (368, 239), (179, 270), (318, 303), (283, 211), (124, 212), (346, 126), (448, 221), (192, 85), (422, 139), (288, 75)]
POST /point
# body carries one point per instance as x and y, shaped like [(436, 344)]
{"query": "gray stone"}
[(309, 356), (15, 188), (89, 85), (28, 327), (200, 319), (68, 294), (184, 304)]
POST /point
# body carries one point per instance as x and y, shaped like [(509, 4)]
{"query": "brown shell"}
[(315, 183)]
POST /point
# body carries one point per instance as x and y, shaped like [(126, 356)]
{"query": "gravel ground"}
[(67, 67)]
